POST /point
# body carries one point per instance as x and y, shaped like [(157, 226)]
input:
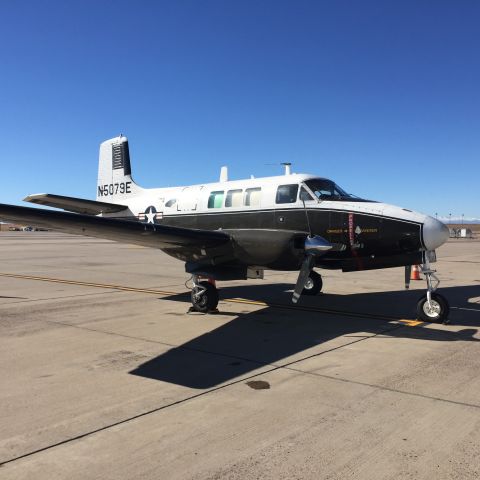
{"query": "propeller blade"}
[(408, 273), (315, 246), (307, 265)]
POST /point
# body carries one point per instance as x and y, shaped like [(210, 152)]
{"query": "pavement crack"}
[(387, 389), (158, 342)]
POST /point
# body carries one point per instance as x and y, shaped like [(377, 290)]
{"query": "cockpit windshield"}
[(327, 190)]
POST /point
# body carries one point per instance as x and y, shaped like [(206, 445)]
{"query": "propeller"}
[(315, 246), (408, 273)]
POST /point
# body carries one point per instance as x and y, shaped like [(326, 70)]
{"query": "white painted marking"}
[(468, 309)]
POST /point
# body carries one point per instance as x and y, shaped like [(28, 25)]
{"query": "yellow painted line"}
[(88, 284), (409, 323), (248, 302)]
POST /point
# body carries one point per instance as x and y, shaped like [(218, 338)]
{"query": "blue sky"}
[(381, 96)]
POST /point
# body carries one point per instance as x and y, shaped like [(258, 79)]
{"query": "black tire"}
[(205, 301), (314, 284), (439, 311)]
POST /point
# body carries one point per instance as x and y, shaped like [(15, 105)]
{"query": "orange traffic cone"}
[(415, 273)]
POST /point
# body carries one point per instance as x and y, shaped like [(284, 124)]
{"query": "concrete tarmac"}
[(104, 374)]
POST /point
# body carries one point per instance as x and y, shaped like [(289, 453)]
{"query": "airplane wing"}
[(184, 243), (77, 205)]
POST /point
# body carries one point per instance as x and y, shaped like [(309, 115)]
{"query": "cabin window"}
[(215, 200), (252, 197), (234, 198), (171, 203), (287, 193)]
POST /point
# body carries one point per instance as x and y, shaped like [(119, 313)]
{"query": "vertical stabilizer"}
[(115, 181)]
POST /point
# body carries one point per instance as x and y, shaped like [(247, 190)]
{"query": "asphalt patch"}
[(258, 384)]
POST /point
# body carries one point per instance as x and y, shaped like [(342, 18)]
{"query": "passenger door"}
[(188, 199)]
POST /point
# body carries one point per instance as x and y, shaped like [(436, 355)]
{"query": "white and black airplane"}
[(232, 230)]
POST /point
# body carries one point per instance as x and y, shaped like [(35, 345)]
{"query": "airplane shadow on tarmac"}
[(270, 335)]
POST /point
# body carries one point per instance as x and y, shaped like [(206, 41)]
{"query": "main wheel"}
[(313, 285), (436, 312), (204, 297)]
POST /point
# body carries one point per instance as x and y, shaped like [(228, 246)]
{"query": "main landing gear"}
[(204, 295), (432, 307)]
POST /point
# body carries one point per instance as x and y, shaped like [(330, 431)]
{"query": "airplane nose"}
[(435, 233)]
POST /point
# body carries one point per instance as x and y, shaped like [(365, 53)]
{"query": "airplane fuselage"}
[(364, 234)]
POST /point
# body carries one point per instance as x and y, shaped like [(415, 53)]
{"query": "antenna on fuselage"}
[(224, 174), (287, 165)]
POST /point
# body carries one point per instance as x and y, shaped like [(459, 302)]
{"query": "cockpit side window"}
[(287, 193), (305, 196)]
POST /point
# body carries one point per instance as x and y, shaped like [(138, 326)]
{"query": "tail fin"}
[(115, 181)]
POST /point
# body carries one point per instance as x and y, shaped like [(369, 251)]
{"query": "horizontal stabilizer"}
[(77, 205)]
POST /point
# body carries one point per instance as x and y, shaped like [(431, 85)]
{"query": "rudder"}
[(115, 181)]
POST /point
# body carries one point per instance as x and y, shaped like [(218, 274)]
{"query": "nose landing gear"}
[(432, 307)]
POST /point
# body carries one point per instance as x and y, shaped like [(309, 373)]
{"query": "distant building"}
[(474, 227), (462, 232)]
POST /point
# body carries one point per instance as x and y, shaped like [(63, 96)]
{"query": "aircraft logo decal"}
[(150, 215)]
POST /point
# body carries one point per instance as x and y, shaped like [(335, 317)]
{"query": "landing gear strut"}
[(204, 295), (432, 307)]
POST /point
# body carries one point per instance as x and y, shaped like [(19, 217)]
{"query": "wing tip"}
[(34, 196)]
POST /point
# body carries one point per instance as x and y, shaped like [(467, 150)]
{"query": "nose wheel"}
[(432, 307), (436, 310)]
